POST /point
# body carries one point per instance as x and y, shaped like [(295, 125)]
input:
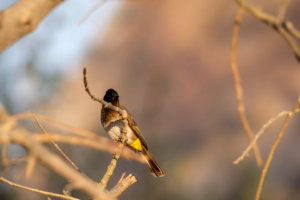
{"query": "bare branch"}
[(78, 131), (17, 134), (37, 191), (112, 166), (270, 157), (238, 87), (100, 3), (245, 153), (282, 9), (56, 146), (31, 162), (122, 186), (284, 28), (5, 159), (89, 139), (99, 145), (22, 18)]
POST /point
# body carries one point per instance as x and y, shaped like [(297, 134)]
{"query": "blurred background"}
[(169, 62)]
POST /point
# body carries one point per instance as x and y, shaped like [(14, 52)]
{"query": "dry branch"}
[(238, 87), (11, 132), (5, 159), (38, 191), (274, 146), (75, 140), (22, 18), (245, 153), (31, 162), (89, 139), (284, 28), (100, 3), (122, 186), (54, 123), (56, 146)]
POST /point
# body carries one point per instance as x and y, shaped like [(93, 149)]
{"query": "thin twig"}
[(12, 163), (282, 9), (270, 157), (123, 113), (118, 189), (5, 149), (101, 2), (245, 153), (31, 162), (36, 190), (56, 146), (59, 149), (238, 87), (122, 177)]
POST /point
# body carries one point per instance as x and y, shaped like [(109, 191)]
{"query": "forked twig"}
[(284, 28), (245, 153), (122, 185), (274, 146), (238, 87)]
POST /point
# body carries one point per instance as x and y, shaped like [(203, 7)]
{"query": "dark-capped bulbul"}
[(112, 124)]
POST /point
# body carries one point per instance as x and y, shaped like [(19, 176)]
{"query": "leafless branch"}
[(89, 139), (22, 18), (31, 161), (100, 3), (56, 146), (37, 191), (284, 28), (282, 9), (13, 133), (274, 146), (99, 145), (122, 185), (5, 159), (238, 87), (271, 121), (52, 122)]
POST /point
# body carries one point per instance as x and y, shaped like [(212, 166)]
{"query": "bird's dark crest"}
[(111, 96)]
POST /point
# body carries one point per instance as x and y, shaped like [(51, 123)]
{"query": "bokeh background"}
[(169, 62)]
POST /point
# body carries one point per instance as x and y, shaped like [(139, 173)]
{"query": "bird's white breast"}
[(114, 130)]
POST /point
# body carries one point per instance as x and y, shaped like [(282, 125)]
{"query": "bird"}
[(112, 124)]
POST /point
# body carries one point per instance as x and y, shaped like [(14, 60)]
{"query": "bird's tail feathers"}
[(152, 164)]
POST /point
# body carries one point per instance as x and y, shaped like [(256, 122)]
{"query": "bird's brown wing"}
[(134, 127)]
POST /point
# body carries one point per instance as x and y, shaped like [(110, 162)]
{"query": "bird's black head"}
[(112, 97)]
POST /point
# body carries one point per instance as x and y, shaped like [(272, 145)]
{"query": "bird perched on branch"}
[(112, 124)]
